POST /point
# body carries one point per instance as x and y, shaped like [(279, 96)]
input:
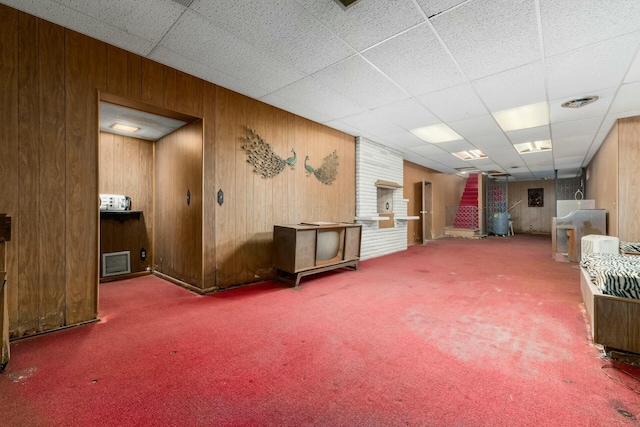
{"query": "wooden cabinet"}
[(304, 249)]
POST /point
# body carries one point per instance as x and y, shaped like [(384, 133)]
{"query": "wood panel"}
[(178, 225), (152, 82), (209, 201), (602, 180), (134, 76), (229, 118), (188, 94), (628, 220), (85, 74), (117, 70), (532, 219), (28, 165), (52, 153), (126, 167), (9, 138)]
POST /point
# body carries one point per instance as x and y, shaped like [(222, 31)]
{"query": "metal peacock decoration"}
[(327, 172), (260, 155)]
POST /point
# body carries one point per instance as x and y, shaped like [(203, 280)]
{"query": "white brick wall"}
[(375, 162)]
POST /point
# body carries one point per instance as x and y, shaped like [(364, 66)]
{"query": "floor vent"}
[(116, 263)]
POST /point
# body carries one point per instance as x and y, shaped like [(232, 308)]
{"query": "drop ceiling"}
[(382, 68), (150, 127)]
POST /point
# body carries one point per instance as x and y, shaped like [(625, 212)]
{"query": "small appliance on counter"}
[(115, 202)]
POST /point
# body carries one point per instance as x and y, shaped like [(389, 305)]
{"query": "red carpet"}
[(455, 333)]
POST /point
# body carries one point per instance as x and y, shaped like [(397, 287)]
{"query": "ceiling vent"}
[(185, 3), (580, 102), (345, 3)]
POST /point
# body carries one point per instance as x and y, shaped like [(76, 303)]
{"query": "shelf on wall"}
[(387, 184), (372, 218), (120, 215), (407, 218)]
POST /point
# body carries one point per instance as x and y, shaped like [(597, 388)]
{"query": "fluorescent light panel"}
[(470, 155), (125, 128), (525, 117), (436, 133), (533, 147)]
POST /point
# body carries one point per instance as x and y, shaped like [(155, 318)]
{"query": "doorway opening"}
[(150, 191)]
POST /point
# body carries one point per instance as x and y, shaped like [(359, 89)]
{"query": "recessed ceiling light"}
[(533, 147), (580, 102), (525, 117), (436, 133), (125, 128), (470, 155)]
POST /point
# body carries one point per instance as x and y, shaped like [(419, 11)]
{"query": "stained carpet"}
[(454, 333)]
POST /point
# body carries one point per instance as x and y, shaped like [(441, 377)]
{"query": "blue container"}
[(501, 223)]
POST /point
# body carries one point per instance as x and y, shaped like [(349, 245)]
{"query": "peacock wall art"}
[(268, 164)]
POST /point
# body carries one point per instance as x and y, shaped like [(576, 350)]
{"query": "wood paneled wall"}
[(126, 167), (178, 225), (244, 223), (446, 191), (628, 221), (534, 219), (51, 79), (602, 180)]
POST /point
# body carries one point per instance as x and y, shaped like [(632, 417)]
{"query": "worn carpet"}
[(454, 333)]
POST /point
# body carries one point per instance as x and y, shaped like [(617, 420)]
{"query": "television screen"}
[(328, 245)]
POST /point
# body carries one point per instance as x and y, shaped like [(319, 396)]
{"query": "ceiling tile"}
[(513, 88), (591, 68), (343, 127), (281, 28), (448, 160), (569, 173), (599, 108), (537, 160), (205, 72), (571, 146), (313, 97), (427, 150), (367, 22), (523, 176), (416, 61), (408, 140), (548, 174), (570, 24), (540, 133), (149, 19), (584, 127), (358, 80), (371, 123), (80, 22), (628, 98), (455, 146), (225, 52), (633, 75), (496, 140), (569, 161), (476, 126), (435, 7), (489, 36), (454, 103), (408, 114)]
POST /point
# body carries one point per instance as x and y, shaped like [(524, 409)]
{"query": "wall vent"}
[(116, 263), (345, 3)]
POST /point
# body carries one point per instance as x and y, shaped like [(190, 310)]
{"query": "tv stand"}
[(304, 249)]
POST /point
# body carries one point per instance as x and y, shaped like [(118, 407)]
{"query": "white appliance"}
[(597, 244), (115, 202)]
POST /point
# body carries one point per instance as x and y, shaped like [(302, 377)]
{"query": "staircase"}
[(468, 218)]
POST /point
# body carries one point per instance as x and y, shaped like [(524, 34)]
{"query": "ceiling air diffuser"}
[(580, 102)]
